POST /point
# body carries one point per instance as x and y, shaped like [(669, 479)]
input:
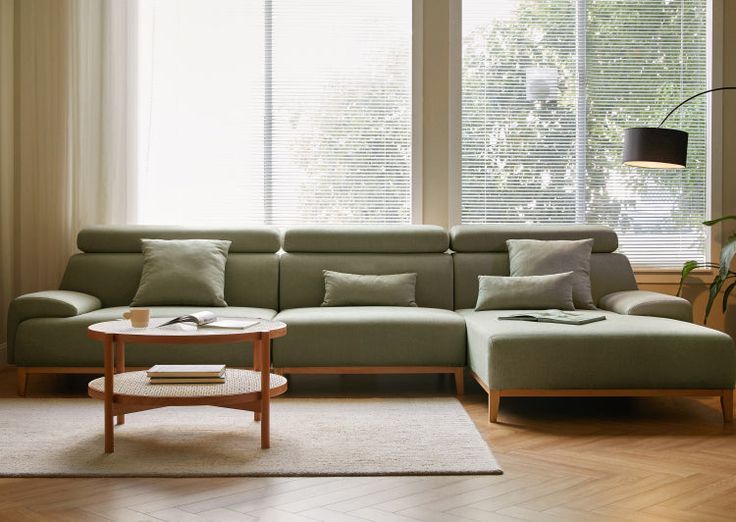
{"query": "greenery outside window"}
[(275, 111), (548, 86)]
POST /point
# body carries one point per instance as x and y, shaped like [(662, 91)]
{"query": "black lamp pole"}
[(657, 147)]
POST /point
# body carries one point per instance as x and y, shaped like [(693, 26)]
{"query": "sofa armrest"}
[(51, 303), (642, 302)]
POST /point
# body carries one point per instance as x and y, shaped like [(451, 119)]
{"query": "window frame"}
[(417, 111)]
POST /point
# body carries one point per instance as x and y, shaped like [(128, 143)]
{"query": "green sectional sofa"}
[(647, 345)]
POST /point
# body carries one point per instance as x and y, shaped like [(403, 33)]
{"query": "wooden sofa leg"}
[(494, 402), (21, 381), (459, 381), (727, 405)]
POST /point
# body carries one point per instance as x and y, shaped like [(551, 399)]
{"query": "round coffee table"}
[(129, 392)]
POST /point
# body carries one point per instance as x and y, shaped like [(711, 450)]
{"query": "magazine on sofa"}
[(555, 316), (206, 319)]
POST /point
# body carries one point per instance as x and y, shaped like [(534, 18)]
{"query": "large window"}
[(275, 111), (548, 88)]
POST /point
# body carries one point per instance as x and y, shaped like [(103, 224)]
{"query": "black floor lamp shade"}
[(655, 147)]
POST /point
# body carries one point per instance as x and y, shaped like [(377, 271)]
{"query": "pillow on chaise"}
[(525, 292), (534, 257), (369, 290), (183, 272)]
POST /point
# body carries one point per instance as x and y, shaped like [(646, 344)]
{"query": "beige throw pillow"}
[(529, 257)]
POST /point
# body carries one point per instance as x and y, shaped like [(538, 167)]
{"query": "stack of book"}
[(187, 374)]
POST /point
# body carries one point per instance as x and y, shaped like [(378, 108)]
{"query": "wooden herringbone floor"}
[(564, 459)]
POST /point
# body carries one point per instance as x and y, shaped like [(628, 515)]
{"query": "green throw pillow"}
[(523, 293), (369, 290), (183, 272), (529, 257)]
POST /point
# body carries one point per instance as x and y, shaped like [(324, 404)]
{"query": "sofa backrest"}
[(111, 262), (365, 250), (481, 250)]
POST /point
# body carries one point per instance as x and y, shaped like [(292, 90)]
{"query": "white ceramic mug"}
[(139, 317)]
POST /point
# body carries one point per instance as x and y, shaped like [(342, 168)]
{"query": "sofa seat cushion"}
[(64, 342), (620, 352), (370, 336)]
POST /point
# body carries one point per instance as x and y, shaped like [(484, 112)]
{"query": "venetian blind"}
[(341, 77), (548, 88), (201, 112), (276, 111)]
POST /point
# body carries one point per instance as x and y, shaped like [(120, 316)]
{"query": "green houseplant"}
[(728, 250)]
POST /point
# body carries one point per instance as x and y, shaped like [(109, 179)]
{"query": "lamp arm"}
[(694, 96)]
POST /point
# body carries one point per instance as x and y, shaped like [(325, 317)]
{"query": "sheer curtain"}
[(6, 163), (69, 145)]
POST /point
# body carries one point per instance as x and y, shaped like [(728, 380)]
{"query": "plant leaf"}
[(715, 287), (712, 222), (726, 293), (728, 251), (688, 267)]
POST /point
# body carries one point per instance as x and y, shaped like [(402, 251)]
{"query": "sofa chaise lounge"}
[(626, 355), (647, 345)]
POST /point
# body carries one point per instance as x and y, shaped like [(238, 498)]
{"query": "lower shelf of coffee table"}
[(240, 386)]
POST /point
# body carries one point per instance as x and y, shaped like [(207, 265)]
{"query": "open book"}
[(210, 320), (555, 316)]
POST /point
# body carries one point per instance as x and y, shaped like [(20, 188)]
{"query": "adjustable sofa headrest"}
[(127, 238), (492, 238), (389, 239)]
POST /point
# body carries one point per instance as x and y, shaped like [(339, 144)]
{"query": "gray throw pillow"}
[(183, 272), (533, 257), (369, 290), (527, 292)]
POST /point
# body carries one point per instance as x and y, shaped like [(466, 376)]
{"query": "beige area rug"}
[(309, 437)]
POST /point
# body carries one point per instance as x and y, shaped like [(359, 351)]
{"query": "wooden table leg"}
[(256, 367), (120, 368), (22, 381), (265, 342), (109, 440)]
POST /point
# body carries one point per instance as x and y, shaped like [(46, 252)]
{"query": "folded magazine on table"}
[(210, 320)]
